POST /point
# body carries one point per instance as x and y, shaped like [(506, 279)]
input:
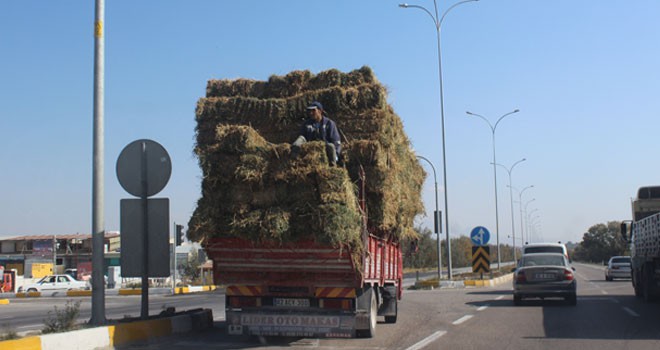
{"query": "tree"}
[(601, 242), (420, 251), (191, 266)]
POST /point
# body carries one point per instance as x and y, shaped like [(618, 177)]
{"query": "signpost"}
[(480, 250), (143, 170)]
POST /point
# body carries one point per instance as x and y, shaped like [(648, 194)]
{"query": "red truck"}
[(307, 289)]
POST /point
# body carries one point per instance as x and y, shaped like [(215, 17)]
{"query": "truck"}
[(643, 235), (304, 246), (308, 289)]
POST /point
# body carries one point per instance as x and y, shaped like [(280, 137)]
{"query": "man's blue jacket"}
[(326, 131)]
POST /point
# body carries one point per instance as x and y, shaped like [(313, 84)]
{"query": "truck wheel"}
[(392, 319), (635, 283), (647, 287), (373, 314)]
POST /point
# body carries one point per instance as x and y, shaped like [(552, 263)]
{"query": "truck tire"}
[(392, 319), (371, 302), (635, 283), (647, 285)]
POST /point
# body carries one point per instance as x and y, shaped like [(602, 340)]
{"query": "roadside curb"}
[(121, 291), (115, 335), (4, 301), (432, 284), (489, 282)]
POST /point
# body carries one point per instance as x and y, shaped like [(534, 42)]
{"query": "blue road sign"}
[(480, 235)]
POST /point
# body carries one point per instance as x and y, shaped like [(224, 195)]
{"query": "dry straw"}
[(253, 188)]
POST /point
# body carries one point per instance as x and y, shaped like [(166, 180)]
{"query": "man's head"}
[(315, 111)]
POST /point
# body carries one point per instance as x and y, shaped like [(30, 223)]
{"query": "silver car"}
[(544, 275), (618, 267)]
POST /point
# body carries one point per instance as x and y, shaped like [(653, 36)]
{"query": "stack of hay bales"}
[(253, 188)]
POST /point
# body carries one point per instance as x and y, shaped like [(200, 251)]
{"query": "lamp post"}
[(437, 21), (528, 215), (520, 193), (436, 217), (497, 221), (513, 229), (526, 204)]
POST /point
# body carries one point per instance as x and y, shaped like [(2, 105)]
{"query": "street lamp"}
[(526, 204), (436, 218), (513, 229), (530, 223), (497, 221), (438, 23), (520, 193)]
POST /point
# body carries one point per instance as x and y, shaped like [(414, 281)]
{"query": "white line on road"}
[(603, 291), (428, 340), (500, 297), (461, 320), (482, 308), (631, 312)]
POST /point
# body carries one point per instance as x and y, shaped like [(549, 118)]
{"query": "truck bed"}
[(308, 264)]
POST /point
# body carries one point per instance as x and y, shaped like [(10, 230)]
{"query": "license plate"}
[(291, 302), (545, 276)]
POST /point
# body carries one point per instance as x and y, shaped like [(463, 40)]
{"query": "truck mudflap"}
[(291, 325)]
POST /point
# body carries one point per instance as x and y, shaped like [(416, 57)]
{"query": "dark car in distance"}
[(544, 275)]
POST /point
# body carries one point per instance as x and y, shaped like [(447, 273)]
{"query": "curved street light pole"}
[(526, 204), (438, 24), (436, 216), (529, 222), (513, 225), (522, 232), (497, 220)]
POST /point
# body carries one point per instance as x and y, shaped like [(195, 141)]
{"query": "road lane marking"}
[(426, 341), (461, 320), (482, 308), (500, 297), (631, 312), (603, 291)]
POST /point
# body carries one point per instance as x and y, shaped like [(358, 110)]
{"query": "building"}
[(32, 256)]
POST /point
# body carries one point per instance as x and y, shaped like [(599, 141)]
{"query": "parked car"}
[(54, 283), (618, 267), (544, 275)]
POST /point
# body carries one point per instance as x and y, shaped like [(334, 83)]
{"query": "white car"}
[(54, 283), (618, 267)]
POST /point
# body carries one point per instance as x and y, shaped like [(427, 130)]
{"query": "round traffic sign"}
[(480, 235), (143, 168)]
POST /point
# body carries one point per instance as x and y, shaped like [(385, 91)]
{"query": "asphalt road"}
[(607, 316), (23, 315)]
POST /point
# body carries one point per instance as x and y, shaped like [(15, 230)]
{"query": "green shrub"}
[(62, 320)]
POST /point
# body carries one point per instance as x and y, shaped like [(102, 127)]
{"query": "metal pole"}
[(436, 224), (54, 254), (144, 311), (98, 224), (497, 220), (437, 21), (513, 228), (174, 262), (520, 204)]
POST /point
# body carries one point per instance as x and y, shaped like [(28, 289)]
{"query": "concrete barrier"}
[(115, 335), (489, 282)]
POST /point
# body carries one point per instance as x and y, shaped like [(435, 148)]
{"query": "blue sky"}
[(584, 75)]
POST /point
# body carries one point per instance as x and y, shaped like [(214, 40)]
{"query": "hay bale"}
[(252, 186)]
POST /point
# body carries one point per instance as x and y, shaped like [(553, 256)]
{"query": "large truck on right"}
[(643, 234)]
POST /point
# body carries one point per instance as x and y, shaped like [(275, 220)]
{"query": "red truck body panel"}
[(308, 264)]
